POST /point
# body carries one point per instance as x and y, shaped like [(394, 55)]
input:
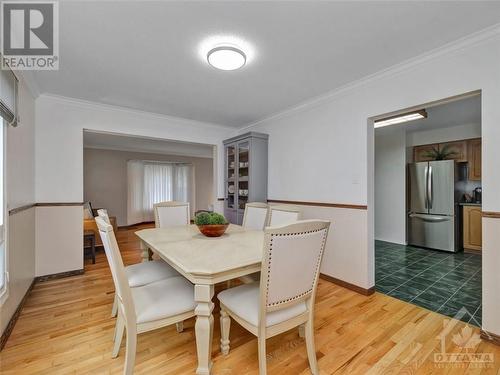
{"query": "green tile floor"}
[(439, 281)]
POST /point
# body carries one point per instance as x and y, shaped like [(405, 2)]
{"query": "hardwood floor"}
[(66, 328)]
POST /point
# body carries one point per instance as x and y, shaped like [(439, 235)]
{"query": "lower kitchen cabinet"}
[(472, 228)]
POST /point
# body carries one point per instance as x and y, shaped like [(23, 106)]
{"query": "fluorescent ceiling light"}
[(226, 58), (405, 117)]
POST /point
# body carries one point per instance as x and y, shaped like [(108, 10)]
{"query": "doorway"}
[(427, 213), (126, 175)]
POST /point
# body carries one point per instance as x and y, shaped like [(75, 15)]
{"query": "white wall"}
[(390, 184), (453, 133), (319, 150), (20, 189), (59, 233), (59, 140), (105, 179), (59, 162)]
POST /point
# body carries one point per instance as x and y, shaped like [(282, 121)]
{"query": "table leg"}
[(145, 252), (204, 327), (92, 248)]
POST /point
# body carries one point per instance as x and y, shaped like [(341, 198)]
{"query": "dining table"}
[(205, 261)]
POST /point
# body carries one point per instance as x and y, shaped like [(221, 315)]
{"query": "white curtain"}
[(153, 182), (135, 195)]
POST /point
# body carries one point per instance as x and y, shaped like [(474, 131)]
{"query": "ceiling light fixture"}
[(226, 58), (398, 119)]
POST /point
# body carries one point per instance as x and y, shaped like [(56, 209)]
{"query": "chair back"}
[(122, 288), (170, 214), (102, 212), (282, 215), (255, 216), (292, 260)]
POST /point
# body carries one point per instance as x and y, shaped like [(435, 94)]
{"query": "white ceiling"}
[(145, 55), (460, 112), (109, 141)]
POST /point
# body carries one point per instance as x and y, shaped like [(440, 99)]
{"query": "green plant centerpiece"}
[(440, 153), (211, 224)]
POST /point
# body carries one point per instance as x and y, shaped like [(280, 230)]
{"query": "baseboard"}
[(59, 275), (345, 284), (12, 322), (490, 337), (472, 251)]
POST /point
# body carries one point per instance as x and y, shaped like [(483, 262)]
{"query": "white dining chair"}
[(284, 299), (172, 213), (283, 214), (255, 216), (143, 308), (102, 212), (144, 273)]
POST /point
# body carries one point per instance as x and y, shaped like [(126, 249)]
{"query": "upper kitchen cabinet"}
[(245, 173), (421, 153), (455, 150), (468, 151), (474, 151)]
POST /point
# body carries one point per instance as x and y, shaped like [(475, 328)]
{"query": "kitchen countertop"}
[(470, 204)]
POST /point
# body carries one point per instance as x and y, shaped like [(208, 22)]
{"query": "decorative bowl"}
[(213, 230)]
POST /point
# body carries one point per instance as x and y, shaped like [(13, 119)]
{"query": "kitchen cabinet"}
[(472, 228), (459, 149), (474, 151), (468, 151), (420, 152)]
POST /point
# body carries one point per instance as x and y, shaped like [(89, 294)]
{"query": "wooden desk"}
[(205, 261), (89, 242)]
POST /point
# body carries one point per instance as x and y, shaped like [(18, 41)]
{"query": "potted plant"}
[(211, 224)]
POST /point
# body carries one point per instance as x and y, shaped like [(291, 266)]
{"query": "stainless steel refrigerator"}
[(432, 220)]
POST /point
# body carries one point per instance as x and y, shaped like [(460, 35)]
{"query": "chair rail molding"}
[(320, 204)]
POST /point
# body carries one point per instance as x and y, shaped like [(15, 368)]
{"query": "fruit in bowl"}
[(211, 224)]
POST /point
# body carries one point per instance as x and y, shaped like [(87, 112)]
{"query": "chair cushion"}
[(244, 301), (163, 299), (148, 272)]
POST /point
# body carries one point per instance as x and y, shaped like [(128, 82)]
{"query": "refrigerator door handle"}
[(426, 176), (429, 188), (431, 218)]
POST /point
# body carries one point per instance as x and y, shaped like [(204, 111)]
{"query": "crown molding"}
[(115, 108), (141, 151), (452, 47)]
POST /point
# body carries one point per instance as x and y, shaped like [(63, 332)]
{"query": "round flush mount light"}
[(226, 58)]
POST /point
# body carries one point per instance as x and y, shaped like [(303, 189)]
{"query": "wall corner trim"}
[(345, 284), (16, 210)]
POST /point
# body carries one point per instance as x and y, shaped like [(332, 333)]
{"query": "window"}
[(154, 182), (8, 116), (3, 253)]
